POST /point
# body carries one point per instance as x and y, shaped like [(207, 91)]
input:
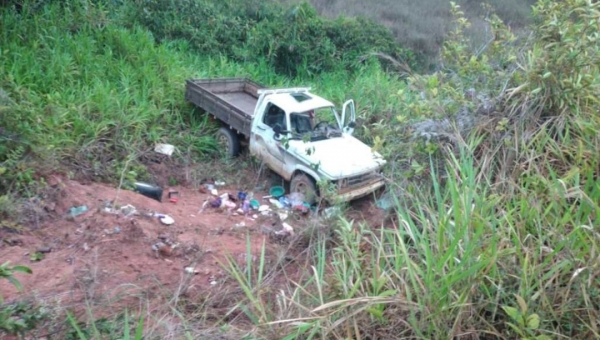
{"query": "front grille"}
[(355, 181)]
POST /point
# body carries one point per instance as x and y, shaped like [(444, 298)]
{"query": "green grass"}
[(491, 237), (89, 93), (462, 259)]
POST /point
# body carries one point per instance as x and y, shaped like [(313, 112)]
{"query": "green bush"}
[(291, 39)]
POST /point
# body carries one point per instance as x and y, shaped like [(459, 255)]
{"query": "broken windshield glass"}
[(313, 125)]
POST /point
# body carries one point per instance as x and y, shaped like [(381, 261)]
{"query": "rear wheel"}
[(305, 185), (229, 142)]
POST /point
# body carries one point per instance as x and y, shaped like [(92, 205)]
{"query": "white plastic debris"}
[(219, 183), (214, 192), (276, 203), (165, 149), (264, 208), (166, 219), (283, 215), (128, 210), (287, 230), (191, 270)]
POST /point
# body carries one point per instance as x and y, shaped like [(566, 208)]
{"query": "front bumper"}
[(349, 194)]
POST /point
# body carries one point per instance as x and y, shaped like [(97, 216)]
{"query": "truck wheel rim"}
[(223, 143), (302, 188)]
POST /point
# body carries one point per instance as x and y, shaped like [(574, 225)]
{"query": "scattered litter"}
[(166, 219), (128, 210), (240, 225), (276, 203), (214, 192), (191, 270), (242, 195), (228, 204), (163, 249), (216, 203), (219, 183), (255, 204), (283, 215), (149, 190), (110, 210), (268, 196), (264, 208), (287, 230), (76, 211), (165, 149), (86, 247), (303, 208), (44, 250), (385, 202), (115, 230), (277, 191), (254, 216), (173, 196), (213, 283), (296, 199), (285, 202), (204, 205), (245, 207)]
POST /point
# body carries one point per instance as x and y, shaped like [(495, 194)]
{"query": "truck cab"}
[(302, 137)]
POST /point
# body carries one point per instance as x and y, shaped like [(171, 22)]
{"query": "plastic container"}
[(149, 190), (277, 191)]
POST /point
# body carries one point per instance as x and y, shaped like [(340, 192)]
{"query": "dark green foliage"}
[(87, 93), (289, 38), (19, 318), (423, 25)]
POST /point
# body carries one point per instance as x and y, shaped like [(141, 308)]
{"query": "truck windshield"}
[(317, 124)]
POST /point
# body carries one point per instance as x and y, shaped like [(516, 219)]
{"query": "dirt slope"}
[(99, 251)]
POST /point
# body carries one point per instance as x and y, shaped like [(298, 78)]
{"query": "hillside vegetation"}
[(493, 173), (423, 25)]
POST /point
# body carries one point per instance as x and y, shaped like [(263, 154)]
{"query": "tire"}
[(228, 142), (305, 185)]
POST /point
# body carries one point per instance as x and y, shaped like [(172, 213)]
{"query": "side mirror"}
[(277, 129)]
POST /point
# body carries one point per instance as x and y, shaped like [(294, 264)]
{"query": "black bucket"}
[(149, 190)]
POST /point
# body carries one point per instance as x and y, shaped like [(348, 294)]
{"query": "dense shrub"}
[(290, 38), (422, 26)]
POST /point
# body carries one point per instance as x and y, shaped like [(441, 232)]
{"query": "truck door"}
[(268, 145), (348, 120)]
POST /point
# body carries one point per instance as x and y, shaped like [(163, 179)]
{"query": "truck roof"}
[(299, 101)]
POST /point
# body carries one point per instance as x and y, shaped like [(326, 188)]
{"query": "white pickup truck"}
[(296, 133)]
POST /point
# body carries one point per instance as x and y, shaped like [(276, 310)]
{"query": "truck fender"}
[(304, 169)]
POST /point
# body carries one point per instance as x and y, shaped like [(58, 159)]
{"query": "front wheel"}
[(306, 186), (229, 142)]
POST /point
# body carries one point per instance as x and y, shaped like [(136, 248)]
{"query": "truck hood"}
[(337, 157)]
